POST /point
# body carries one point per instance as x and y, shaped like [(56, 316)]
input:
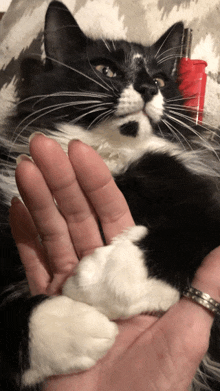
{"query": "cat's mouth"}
[(157, 314), (138, 113), (144, 112)]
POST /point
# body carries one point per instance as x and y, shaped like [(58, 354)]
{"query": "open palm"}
[(150, 353)]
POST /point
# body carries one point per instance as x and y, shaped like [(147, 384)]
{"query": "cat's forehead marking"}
[(139, 60), (137, 55)]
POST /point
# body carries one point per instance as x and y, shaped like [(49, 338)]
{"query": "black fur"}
[(129, 129), (15, 311), (179, 210)]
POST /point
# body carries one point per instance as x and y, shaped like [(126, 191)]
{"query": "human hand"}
[(149, 353), (72, 231)]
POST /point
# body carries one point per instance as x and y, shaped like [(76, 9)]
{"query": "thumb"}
[(186, 326), (207, 278)]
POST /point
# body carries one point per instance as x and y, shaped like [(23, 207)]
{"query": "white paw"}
[(115, 279), (65, 337)]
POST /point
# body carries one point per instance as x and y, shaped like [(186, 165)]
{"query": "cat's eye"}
[(106, 70), (159, 81)]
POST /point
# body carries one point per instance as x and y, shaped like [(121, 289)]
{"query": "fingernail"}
[(35, 134), (73, 141), (21, 158)]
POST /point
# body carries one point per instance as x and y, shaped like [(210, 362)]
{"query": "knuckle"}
[(64, 267)]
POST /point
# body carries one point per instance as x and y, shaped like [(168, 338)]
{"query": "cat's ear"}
[(167, 50), (62, 33)]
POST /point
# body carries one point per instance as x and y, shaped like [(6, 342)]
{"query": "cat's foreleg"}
[(43, 336), (66, 337), (115, 279)]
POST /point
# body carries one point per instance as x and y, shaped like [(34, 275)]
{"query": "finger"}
[(60, 178), (186, 326), (49, 223), (29, 247), (207, 278), (95, 179)]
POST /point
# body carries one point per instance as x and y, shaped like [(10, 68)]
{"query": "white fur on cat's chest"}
[(115, 281)]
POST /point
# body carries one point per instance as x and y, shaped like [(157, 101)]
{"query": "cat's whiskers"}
[(183, 123), (177, 134), (115, 89), (63, 94), (112, 88), (179, 111), (45, 111), (19, 134), (163, 43), (78, 102), (79, 72), (32, 98), (168, 50), (181, 99), (80, 94), (102, 117), (106, 45), (204, 143), (85, 114), (103, 81), (113, 45), (96, 105), (170, 57), (179, 108), (105, 86), (186, 108), (213, 135), (161, 133), (203, 125), (53, 108)]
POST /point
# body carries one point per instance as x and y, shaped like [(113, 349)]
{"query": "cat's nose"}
[(147, 91)]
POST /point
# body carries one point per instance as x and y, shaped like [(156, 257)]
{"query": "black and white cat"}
[(122, 99)]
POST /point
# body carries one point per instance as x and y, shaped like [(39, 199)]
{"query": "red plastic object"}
[(192, 84)]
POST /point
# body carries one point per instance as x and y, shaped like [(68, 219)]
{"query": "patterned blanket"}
[(140, 20)]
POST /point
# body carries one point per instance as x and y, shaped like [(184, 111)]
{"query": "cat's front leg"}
[(115, 279), (66, 337)]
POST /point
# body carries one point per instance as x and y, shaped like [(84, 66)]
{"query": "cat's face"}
[(113, 91)]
